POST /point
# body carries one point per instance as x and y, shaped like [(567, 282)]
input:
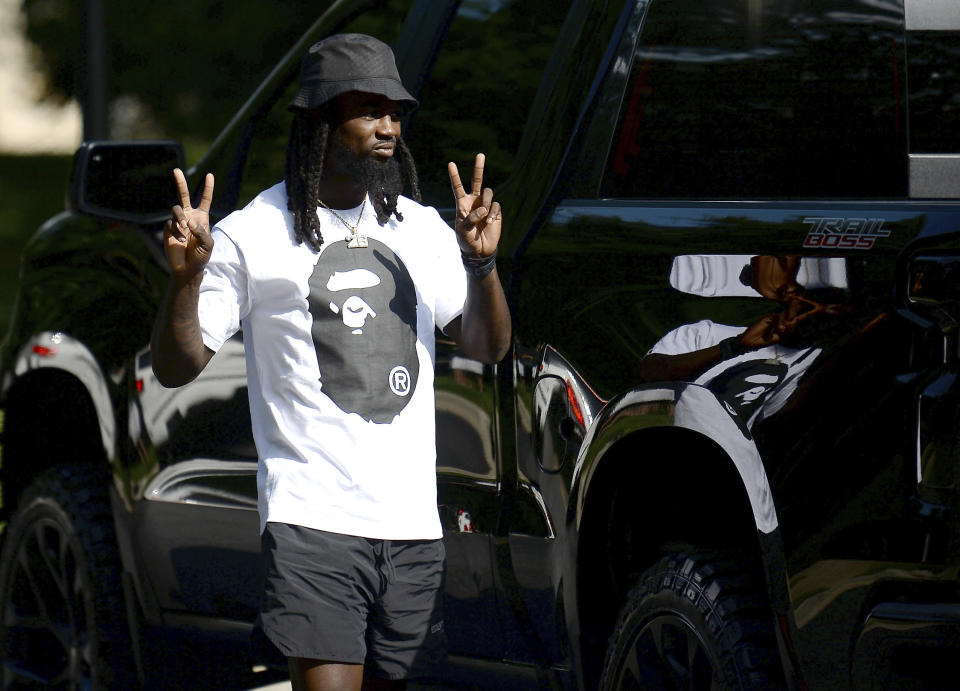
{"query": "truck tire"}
[(694, 621), (63, 622)]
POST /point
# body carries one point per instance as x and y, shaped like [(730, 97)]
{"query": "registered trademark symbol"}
[(400, 380)]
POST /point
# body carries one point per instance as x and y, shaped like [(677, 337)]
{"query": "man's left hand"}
[(478, 216)]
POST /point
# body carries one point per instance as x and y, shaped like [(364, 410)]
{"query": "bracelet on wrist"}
[(479, 266), (731, 347)]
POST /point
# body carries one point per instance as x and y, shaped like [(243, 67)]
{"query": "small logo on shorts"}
[(437, 628), (400, 380)]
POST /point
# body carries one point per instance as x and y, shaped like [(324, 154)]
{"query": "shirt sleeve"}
[(452, 279), (683, 339), (692, 337), (224, 296)]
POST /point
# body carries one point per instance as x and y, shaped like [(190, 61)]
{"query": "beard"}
[(382, 179)]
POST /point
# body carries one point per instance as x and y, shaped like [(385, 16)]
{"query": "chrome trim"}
[(935, 176), (932, 15), (195, 482)]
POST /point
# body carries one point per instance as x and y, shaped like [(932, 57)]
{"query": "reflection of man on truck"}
[(753, 369)]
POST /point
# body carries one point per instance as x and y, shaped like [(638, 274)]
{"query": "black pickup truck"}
[(723, 451)]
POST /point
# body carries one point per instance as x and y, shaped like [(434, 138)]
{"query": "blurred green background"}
[(33, 189), (177, 69)]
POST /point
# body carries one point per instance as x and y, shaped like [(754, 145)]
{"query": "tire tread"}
[(727, 597)]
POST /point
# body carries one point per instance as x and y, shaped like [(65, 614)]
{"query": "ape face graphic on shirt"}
[(745, 386), (364, 308)]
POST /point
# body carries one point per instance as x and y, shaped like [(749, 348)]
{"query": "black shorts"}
[(356, 600)]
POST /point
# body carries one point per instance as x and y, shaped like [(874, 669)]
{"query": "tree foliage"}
[(179, 68)]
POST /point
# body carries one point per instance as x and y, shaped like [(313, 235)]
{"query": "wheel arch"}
[(57, 408)]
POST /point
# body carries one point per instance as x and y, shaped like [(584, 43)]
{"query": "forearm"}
[(177, 348), (682, 367), (688, 366), (485, 326)]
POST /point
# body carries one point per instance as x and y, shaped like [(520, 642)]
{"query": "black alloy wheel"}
[(693, 621), (62, 619)]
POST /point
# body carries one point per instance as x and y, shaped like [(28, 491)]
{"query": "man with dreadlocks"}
[(338, 282)]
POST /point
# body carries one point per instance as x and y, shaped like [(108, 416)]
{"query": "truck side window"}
[(268, 149), (479, 99), (932, 74), (739, 100)]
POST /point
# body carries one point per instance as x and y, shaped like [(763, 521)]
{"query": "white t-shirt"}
[(340, 354), (751, 386)]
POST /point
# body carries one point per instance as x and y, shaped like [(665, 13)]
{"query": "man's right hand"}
[(179, 353), (187, 239)]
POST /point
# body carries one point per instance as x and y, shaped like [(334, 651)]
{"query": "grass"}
[(33, 189)]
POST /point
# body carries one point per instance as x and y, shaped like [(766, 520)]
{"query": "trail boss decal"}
[(844, 233)]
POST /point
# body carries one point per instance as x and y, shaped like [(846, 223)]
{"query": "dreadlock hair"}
[(306, 153)]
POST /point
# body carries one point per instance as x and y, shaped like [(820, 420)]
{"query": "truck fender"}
[(57, 350), (683, 405)]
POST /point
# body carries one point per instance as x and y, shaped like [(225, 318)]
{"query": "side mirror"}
[(934, 289), (935, 280), (125, 180)]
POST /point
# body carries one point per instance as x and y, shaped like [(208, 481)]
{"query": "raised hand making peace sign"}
[(187, 240), (478, 216)]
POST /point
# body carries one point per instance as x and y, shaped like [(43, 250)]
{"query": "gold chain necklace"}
[(354, 240)]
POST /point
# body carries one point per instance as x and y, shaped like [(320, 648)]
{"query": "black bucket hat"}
[(349, 62)]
